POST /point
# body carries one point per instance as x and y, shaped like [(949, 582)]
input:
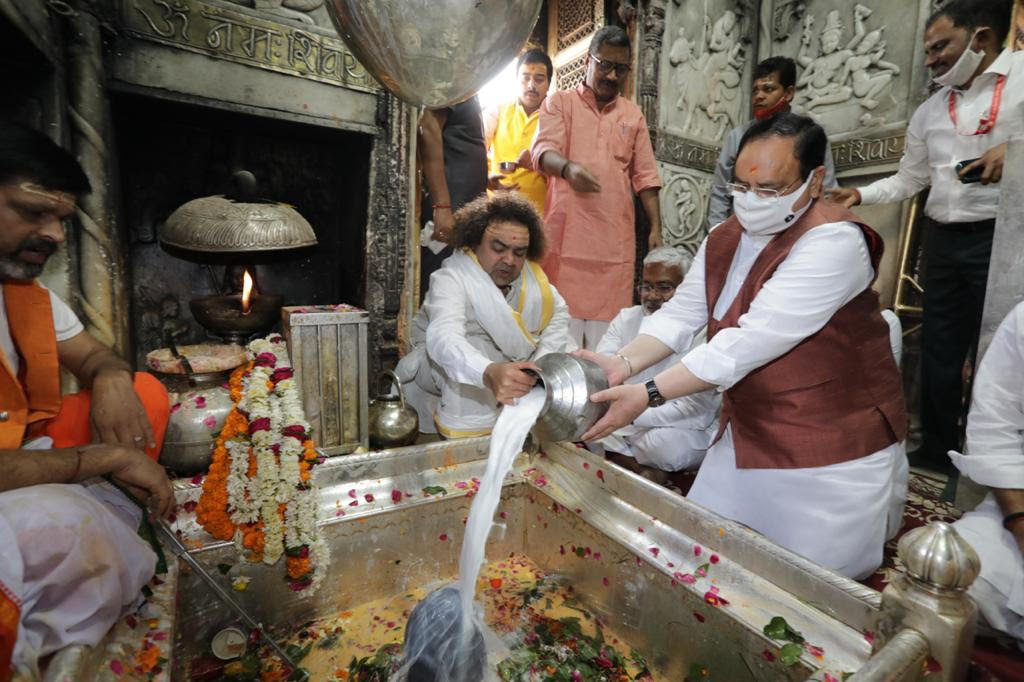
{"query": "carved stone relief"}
[(304, 11), (850, 74), (684, 201), (707, 57)]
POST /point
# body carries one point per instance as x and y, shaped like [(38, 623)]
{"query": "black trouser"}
[(955, 275)]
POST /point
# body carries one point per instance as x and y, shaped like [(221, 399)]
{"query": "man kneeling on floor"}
[(676, 435), (70, 557), (490, 311)]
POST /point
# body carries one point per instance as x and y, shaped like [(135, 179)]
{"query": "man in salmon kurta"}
[(70, 557), (594, 147)]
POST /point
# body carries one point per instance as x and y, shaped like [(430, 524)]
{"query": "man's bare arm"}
[(577, 175), (1010, 502), (649, 200), (116, 411), (430, 148), (131, 468)]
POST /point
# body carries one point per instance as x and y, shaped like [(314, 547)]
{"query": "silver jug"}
[(569, 382), (392, 422)]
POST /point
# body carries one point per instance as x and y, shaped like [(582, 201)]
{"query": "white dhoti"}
[(73, 560), (838, 515), (999, 588)]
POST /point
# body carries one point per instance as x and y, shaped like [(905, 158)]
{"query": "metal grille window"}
[(571, 74), (577, 19)]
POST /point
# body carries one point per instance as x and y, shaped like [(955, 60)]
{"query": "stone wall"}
[(860, 73)]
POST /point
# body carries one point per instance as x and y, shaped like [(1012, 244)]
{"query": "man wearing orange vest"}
[(809, 450), (509, 129), (70, 558)]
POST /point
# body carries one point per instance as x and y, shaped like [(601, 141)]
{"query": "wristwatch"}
[(654, 396)]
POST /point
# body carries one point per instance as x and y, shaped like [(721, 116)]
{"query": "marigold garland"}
[(259, 491)]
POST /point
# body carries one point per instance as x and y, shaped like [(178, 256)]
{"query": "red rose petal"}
[(396, 496), (768, 656), (443, 537), (368, 497), (600, 474), (654, 551), (699, 617), (713, 558)]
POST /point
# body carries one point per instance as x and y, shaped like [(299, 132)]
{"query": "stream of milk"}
[(445, 639), (510, 431)]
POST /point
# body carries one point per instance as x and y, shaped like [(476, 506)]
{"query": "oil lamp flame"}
[(246, 291)]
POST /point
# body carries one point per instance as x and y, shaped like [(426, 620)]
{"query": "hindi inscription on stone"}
[(236, 36)]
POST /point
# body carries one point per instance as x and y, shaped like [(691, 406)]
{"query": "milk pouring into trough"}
[(443, 642)]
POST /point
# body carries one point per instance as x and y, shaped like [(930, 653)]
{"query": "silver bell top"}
[(937, 556)]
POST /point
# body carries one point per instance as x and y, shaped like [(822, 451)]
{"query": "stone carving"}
[(784, 14), (861, 152), (653, 24), (290, 9), (855, 73), (707, 72), (683, 152), (225, 34), (684, 199)]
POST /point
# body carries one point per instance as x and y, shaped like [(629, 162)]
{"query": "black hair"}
[(30, 156), (472, 219), (536, 56), (784, 66), (973, 14), (615, 36), (809, 146)]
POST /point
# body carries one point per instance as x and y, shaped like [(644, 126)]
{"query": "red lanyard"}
[(987, 123)]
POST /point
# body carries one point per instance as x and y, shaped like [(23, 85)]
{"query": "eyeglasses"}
[(761, 192), (662, 289), (605, 66)]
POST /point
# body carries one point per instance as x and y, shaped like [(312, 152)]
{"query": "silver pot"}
[(393, 424), (569, 382), (199, 405)]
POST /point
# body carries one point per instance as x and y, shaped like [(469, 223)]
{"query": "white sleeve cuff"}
[(994, 471), (869, 194)]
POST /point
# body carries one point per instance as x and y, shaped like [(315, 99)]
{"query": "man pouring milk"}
[(809, 451)]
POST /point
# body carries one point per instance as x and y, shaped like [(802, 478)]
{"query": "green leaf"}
[(296, 652), (790, 653), (435, 490), (328, 642), (224, 568), (778, 628)]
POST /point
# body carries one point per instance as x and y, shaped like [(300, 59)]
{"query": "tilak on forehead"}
[(512, 234), (60, 198)]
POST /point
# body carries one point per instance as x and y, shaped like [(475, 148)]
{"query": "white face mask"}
[(964, 68), (767, 216)]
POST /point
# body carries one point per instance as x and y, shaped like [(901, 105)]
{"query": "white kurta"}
[(674, 436), (994, 457), (457, 346), (838, 515), (72, 557)]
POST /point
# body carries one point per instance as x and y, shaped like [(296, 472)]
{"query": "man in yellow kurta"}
[(509, 129)]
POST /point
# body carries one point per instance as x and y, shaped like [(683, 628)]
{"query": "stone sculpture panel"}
[(706, 60), (684, 202), (853, 70)]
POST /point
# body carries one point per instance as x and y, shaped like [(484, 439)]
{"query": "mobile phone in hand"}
[(973, 176)]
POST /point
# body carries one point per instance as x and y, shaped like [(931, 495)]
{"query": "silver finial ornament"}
[(937, 556)]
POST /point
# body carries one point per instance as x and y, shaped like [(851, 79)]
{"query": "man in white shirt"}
[(994, 457), (810, 449), (71, 557), (970, 118), (489, 313), (676, 435)]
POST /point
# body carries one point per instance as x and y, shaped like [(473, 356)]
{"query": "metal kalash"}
[(234, 230)]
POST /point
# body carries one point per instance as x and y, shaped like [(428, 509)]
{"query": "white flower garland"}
[(278, 454)]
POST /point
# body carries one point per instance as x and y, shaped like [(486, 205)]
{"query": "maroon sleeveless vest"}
[(836, 395)]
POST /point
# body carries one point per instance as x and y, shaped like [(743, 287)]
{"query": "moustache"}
[(37, 244)]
